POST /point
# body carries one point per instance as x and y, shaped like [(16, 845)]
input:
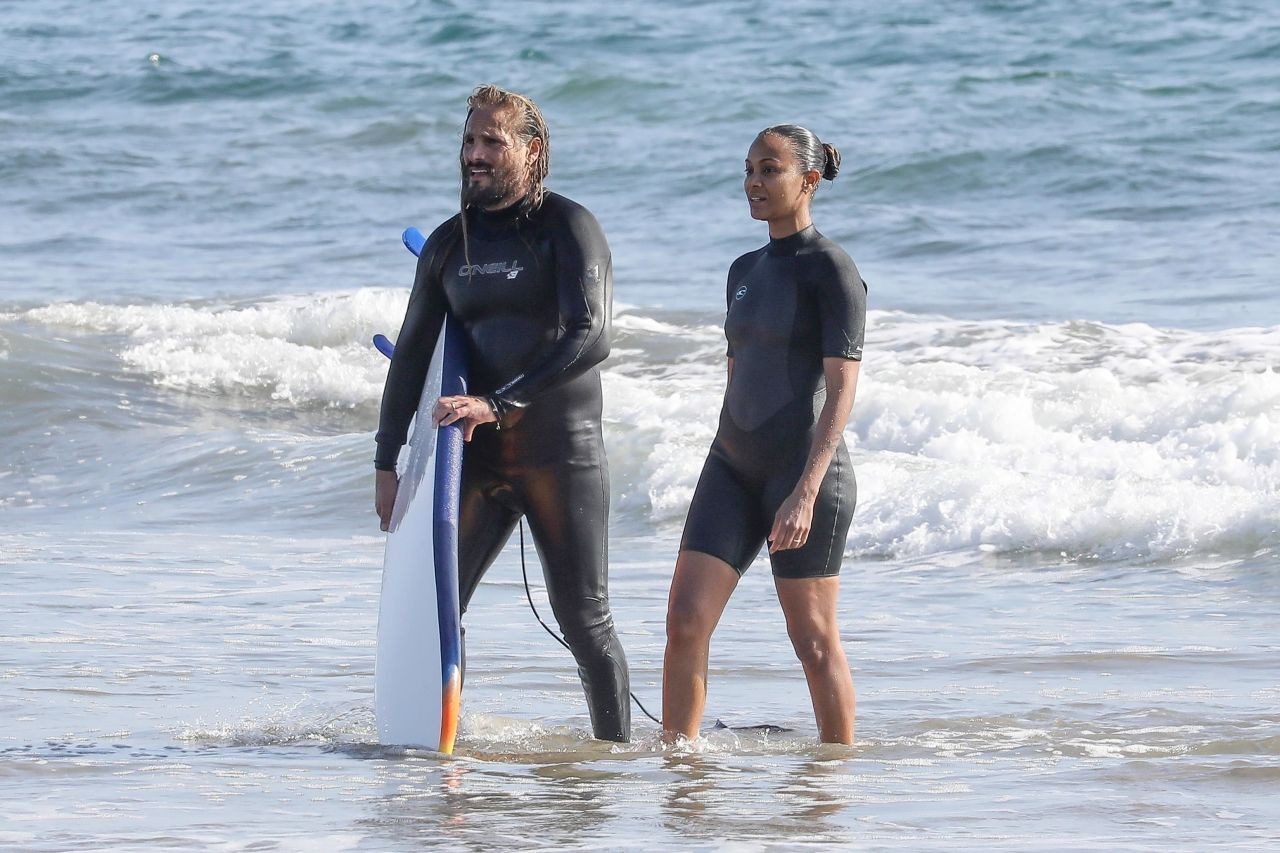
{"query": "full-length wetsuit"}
[(791, 304), (532, 293)]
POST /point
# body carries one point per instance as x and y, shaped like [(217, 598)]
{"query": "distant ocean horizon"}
[(1060, 588)]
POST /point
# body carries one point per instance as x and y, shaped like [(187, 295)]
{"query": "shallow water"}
[(212, 692), (1060, 590)]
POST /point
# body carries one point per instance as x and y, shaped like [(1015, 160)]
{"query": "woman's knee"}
[(817, 648), (699, 591), (689, 623)]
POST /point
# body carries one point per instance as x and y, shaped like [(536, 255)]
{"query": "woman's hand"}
[(385, 486), (471, 411), (795, 517), (792, 522)]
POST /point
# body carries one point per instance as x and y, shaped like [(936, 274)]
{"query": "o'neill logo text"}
[(509, 268)]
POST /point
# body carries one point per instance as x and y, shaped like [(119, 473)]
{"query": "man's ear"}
[(535, 150)]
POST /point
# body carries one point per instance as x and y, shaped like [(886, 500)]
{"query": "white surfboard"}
[(417, 675)]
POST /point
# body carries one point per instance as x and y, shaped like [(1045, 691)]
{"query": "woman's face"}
[(776, 187)]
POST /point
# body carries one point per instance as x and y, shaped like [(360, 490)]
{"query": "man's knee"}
[(586, 624)]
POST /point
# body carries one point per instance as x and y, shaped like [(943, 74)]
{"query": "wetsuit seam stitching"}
[(604, 540), (831, 543)]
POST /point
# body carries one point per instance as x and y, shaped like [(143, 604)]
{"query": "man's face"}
[(495, 162)]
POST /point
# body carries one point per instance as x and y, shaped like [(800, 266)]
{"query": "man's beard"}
[(503, 184)]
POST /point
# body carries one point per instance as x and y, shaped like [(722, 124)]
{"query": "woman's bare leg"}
[(700, 589), (810, 605)]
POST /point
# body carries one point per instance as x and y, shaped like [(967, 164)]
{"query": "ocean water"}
[(1061, 594)]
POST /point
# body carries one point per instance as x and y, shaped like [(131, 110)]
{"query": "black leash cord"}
[(524, 572)]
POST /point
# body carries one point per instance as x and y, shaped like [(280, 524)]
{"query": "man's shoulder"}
[(558, 208), (445, 230), (438, 244)]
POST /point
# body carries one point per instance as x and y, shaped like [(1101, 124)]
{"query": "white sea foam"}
[(971, 436), (1080, 438), (301, 349)]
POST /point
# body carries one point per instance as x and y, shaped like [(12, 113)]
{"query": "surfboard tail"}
[(452, 711)]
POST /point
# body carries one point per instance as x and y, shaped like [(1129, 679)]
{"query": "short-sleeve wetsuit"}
[(791, 304), (532, 293)]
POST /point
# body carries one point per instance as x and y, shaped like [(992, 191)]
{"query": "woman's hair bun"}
[(813, 154), (832, 166)]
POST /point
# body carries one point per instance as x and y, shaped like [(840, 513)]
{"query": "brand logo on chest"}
[(510, 269), (740, 292)]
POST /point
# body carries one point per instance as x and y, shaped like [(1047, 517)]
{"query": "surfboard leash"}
[(524, 572)]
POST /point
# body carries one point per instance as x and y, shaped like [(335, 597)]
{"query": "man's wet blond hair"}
[(529, 125)]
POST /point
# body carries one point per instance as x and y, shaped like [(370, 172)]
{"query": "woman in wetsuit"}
[(778, 470)]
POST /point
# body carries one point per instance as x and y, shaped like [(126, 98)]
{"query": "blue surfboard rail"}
[(448, 490), (448, 497)]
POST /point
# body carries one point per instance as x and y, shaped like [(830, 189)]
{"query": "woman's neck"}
[(785, 226)]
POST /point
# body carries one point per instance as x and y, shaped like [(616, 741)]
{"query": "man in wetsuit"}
[(528, 276)]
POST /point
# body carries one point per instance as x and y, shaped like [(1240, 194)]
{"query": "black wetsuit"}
[(532, 293), (791, 304)]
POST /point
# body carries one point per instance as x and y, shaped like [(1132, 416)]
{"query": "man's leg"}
[(487, 513), (568, 511)]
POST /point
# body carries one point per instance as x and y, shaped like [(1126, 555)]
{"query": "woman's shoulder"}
[(826, 259), (745, 262), (822, 246)]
